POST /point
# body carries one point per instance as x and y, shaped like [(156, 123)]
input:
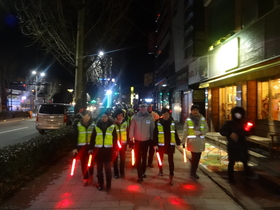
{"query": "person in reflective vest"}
[(82, 134), (165, 138), (103, 145), (195, 128), (122, 132)]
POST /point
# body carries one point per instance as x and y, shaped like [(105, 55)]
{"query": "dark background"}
[(27, 55)]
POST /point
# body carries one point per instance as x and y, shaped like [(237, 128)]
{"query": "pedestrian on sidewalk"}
[(141, 132), (82, 133), (165, 138), (151, 150), (103, 145), (122, 130), (237, 147), (195, 128)]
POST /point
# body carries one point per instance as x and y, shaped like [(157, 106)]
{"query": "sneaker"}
[(194, 176), (150, 165), (100, 187), (86, 182), (140, 180), (231, 181)]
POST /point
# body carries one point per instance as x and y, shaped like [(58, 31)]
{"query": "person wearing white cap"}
[(141, 131)]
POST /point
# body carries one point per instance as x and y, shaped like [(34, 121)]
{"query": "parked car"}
[(53, 116)]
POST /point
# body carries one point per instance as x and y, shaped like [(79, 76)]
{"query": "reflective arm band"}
[(191, 136)]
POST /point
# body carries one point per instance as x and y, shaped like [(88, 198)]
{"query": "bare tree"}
[(50, 90), (53, 23), (73, 29)]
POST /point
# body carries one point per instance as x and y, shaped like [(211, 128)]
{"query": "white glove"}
[(75, 151), (155, 147), (197, 133)]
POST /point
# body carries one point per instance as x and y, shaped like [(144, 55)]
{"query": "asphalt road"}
[(17, 130)]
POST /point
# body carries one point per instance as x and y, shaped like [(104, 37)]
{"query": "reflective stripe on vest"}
[(161, 134), (84, 134), (191, 131), (122, 132), (107, 141)]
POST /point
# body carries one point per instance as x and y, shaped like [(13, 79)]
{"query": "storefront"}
[(257, 91)]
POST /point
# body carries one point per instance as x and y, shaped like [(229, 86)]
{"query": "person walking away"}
[(237, 147), (82, 133), (122, 133), (141, 132), (151, 150), (195, 128), (165, 138), (103, 145)]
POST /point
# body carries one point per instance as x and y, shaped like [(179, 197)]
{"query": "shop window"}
[(275, 99), (228, 100), (264, 101), (269, 100)]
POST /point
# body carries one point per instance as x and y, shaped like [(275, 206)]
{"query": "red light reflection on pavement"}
[(66, 203), (133, 188), (189, 187), (173, 201)]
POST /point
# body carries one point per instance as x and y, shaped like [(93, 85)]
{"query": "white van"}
[(53, 116)]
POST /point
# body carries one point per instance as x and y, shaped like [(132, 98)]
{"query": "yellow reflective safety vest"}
[(122, 132), (191, 131), (161, 134), (84, 134), (108, 139)]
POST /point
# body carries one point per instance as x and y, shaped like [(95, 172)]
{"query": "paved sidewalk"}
[(58, 190)]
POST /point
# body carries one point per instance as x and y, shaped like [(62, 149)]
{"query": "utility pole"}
[(80, 76)]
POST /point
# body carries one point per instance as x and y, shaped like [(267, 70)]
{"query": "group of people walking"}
[(107, 139)]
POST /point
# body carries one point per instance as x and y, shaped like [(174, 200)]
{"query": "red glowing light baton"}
[(185, 155), (159, 160), (73, 166), (89, 160), (132, 157), (248, 126), (119, 144)]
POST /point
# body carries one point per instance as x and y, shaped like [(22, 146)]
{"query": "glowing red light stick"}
[(89, 160), (132, 157), (248, 126), (73, 166), (185, 156), (159, 160), (119, 144)]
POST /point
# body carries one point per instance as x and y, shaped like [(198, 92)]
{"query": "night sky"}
[(28, 56)]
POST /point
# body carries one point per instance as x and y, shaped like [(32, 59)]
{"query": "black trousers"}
[(119, 168), (141, 148), (83, 156), (170, 162), (108, 172), (151, 152), (195, 161), (231, 168)]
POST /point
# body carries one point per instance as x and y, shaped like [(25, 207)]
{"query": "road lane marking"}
[(13, 130)]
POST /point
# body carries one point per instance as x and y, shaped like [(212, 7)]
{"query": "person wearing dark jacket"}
[(122, 128), (237, 147), (103, 145), (165, 138), (82, 133)]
